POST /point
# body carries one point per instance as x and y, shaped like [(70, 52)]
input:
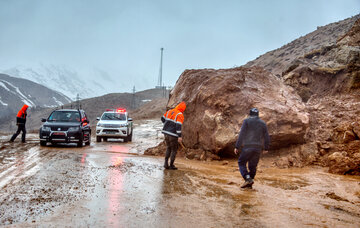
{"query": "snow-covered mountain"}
[(15, 92), (67, 81)]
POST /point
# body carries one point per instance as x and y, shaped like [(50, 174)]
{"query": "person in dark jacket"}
[(20, 122), (253, 139), (173, 120)]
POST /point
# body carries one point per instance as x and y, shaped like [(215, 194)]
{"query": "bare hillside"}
[(277, 61)]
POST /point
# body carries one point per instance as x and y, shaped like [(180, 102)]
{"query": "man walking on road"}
[(20, 122), (173, 120), (253, 139)]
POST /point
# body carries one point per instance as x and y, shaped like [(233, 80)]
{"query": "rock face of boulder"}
[(219, 100)]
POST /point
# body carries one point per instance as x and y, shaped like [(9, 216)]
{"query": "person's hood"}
[(22, 111), (181, 107), (24, 108)]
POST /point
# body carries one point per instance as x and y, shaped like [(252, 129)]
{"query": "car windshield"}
[(65, 116), (113, 116)]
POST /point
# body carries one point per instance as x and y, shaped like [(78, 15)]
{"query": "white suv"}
[(114, 124)]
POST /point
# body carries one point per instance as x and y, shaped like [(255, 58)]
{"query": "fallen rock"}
[(356, 128), (219, 100)]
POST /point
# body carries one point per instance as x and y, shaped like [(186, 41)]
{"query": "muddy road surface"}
[(111, 184)]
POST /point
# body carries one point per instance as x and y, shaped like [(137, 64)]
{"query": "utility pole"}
[(133, 98), (78, 101), (160, 83)]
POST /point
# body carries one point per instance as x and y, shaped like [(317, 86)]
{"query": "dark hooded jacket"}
[(253, 134)]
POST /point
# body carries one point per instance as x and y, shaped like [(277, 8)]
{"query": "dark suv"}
[(66, 126)]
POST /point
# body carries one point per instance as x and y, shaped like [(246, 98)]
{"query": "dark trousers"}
[(21, 127), (171, 149), (251, 157)]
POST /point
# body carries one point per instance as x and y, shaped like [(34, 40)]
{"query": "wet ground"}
[(111, 184)]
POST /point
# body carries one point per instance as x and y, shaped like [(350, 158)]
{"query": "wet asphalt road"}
[(111, 184)]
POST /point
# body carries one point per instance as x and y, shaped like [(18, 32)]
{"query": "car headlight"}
[(100, 125), (46, 128), (73, 129), (123, 125)]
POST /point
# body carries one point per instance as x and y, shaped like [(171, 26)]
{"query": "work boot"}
[(166, 166), (248, 183), (173, 167)]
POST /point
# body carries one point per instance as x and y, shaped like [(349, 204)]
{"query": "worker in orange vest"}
[(173, 120), (20, 122)]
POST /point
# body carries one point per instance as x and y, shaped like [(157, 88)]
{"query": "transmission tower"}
[(160, 83)]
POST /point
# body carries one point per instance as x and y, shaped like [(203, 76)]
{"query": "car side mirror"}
[(129, 119), (97, 118), (43, 120)]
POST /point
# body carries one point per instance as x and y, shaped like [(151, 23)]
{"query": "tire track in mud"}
[(20, 161), (36, 180)]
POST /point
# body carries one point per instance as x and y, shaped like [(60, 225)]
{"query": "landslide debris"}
[(311, 106), (328, 80), (219, 100)]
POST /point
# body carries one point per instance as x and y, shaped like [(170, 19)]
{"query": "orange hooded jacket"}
[(21, 116), (173, 120)]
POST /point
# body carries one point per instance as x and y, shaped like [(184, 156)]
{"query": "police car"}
[(114, 124)]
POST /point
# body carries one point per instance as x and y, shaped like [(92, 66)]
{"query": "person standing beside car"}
[(173, 120), (20, 122)]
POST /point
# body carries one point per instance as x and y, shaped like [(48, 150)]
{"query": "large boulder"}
[(219, 100)]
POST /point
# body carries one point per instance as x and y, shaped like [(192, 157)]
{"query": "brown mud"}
[(112, 184)]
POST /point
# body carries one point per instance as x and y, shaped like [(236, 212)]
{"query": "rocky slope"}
[(15, 92), (277, 61), (328, 80), (308, 93)]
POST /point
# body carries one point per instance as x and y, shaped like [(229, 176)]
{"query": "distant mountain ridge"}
[(68, 81), (15, 92)]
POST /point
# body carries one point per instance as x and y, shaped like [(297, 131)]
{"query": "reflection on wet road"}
[(111, 184)]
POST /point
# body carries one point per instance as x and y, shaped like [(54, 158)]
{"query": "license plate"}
[(58, 133)]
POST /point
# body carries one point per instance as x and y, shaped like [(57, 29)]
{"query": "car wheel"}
[(105, 139), (81, 140), (42, 143), (98, 139), (89, 140)]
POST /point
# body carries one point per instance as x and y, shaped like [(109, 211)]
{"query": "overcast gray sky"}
[(123, 38)]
